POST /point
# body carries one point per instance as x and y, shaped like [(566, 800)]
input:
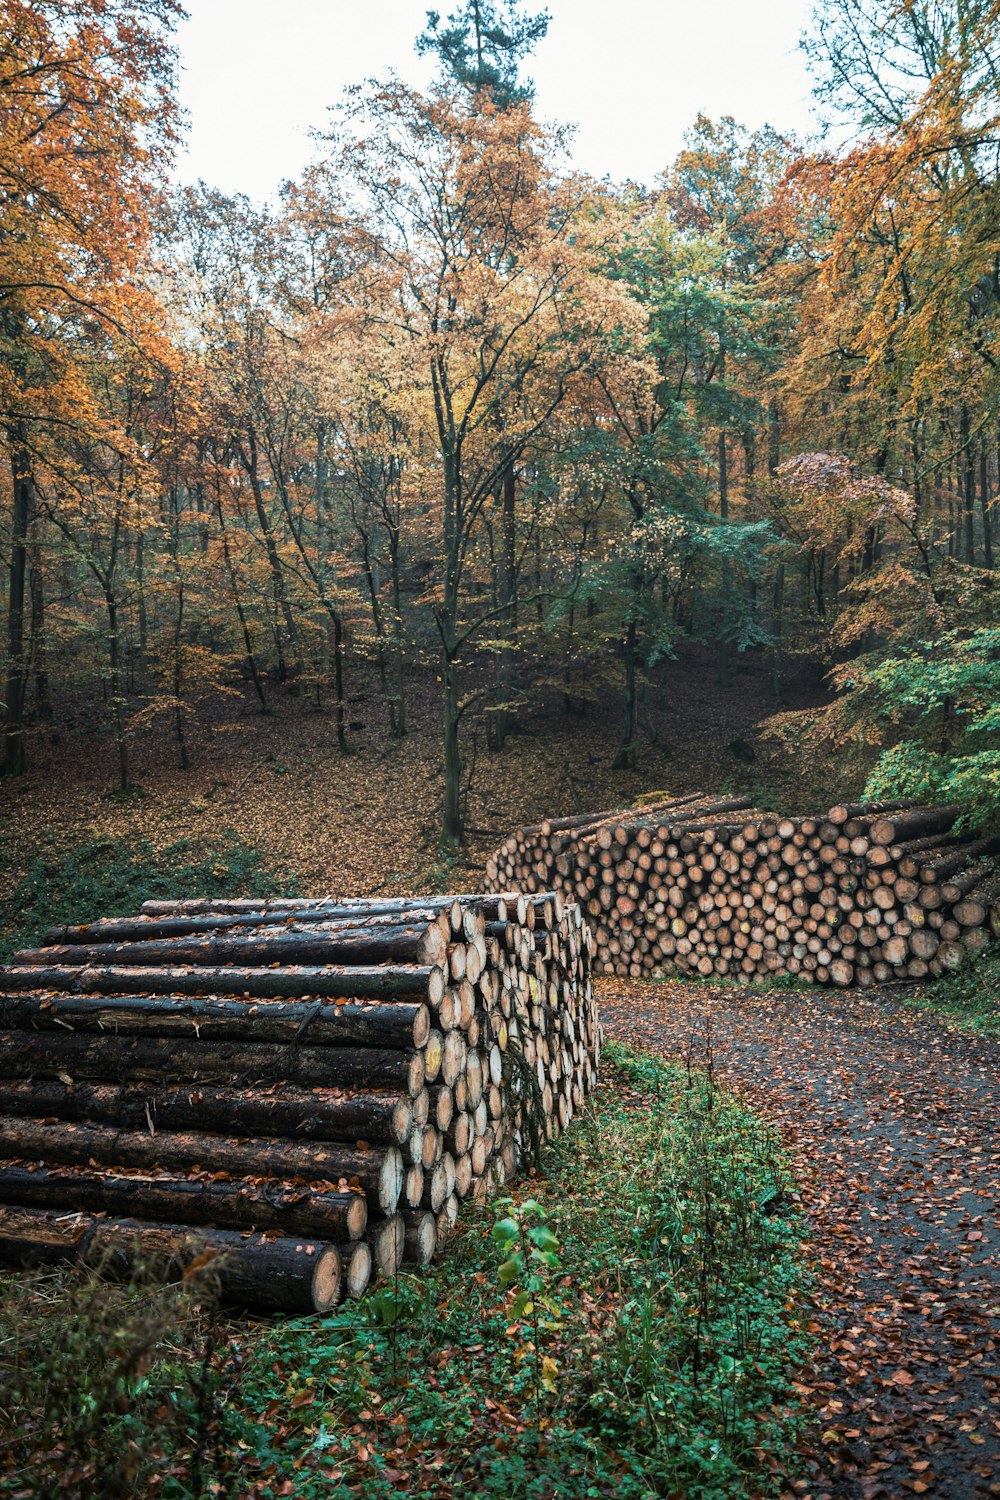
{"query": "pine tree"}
[(481, 44)]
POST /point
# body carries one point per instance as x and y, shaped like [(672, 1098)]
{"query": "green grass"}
[(626, 1325), (108, 877), (969, 998)]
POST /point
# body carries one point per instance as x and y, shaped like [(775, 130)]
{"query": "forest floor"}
[(369, 821), (890, 1117)]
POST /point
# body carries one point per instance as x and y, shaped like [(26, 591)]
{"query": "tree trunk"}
[(398, 718), (15, 760), (117, 690), (773, 438), (984, 505), (452, 759), (251, 463), (968, 488), (726, 575), (626, 757), (777, 627), (500, 719), (36, 586), (265, 707)]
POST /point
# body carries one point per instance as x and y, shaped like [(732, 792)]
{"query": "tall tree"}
[(481, 45), (488, 269), (86, 123)]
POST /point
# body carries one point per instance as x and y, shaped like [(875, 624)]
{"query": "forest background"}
[(451, 479)]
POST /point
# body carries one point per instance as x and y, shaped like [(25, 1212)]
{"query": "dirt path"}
[(894, 1123)]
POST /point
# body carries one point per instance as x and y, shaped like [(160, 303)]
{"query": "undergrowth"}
[(112, 877), (970, 997), (626, 1326), (105, 1388), (650, 1354)]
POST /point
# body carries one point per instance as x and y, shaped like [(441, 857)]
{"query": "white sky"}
[(630, 74)]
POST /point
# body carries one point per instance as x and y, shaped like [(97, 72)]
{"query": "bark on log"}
[(912, 825), (401, 944), (260, 1271), (329, 1215), (333, 982), (356, 1268), (118, 1058), (367, 1024), (848, 810), (420, 1238), (378, 1172), (380, 1119), (386, 1240), (149, 926)]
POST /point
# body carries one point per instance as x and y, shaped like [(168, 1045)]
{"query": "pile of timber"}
[(869, 893), (300, 1092)]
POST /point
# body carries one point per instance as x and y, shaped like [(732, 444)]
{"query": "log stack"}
[(712, 886), (301, 1092)]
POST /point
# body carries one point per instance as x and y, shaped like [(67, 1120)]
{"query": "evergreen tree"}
[(481, 44)]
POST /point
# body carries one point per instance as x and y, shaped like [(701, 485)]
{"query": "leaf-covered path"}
[(893, 1120)]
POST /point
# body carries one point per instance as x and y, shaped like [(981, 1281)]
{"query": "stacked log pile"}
[(303, 1090), (712, 886)]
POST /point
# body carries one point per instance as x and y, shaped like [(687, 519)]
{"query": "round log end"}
[(420, 1239), (357, 1216), (326, 1281), (386, 1241), (357, 1260)]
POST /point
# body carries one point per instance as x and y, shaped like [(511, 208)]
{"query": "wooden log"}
[(848, 810), (262, 1271), (967, 881), (924, 943), (329, 1215), (420, 1241), (381, 1119), (57, 1054), (973, 910), (392, 981), (284, 906), (360, 946), (357, 1268), (386, 1240), (950, 864), (378, 1172), (358, 1023), (149, 926), (923, 820)]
